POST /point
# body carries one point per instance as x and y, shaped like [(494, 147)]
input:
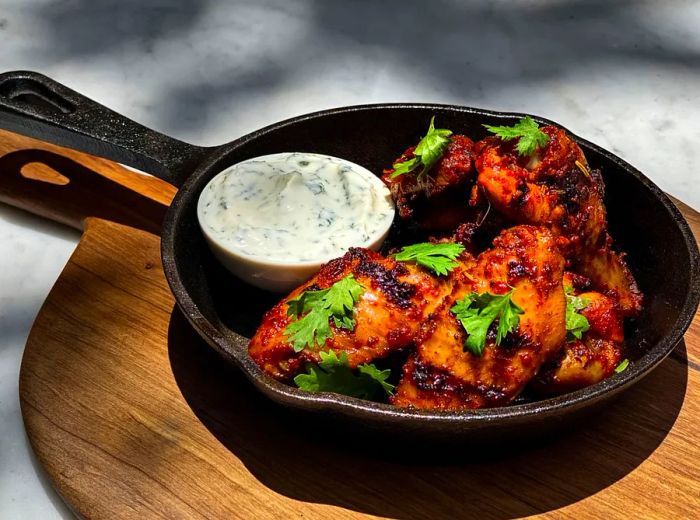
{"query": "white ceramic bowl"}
[(274, 274)]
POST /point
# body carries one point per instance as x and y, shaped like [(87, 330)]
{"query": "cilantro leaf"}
[(309, 331), (333, 374), (379, 376), (508, 319), (439, 258), (342, 296), (427, 152), (405, 167), (313, 311), (476, 326), (529, 134), (476, 313), (576, 324), (305, 302), (622, 366)]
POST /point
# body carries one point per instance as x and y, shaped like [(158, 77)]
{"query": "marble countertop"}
[(625, 75)]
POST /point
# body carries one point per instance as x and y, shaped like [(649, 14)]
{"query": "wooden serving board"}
[(133, 416)]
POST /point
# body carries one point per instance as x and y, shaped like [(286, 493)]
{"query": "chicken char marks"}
[(594, 357), (397, 299), (441, 375), (435, 200), (556, 188)]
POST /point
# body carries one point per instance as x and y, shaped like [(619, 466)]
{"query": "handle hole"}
[(32, 94), (37, 171)]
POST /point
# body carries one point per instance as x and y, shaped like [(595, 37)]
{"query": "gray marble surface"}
[(624, 74)]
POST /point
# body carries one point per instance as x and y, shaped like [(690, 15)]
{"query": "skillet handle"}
[(34, 105)]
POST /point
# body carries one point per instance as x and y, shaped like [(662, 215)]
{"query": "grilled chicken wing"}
[(594, 357), (610, 274), (556, 188), (436, 199), (397, 299), (440, 375)]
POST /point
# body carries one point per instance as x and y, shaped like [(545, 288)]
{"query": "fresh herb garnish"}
[(313, 311), (531, 137), (476, 313), (427, 152), (439, 258), (622, 366), (576, 324), (333, 374)]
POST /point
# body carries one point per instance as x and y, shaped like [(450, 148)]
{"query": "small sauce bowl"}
[(274, 220)]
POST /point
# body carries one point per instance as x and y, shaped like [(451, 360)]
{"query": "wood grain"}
[(133, 416)]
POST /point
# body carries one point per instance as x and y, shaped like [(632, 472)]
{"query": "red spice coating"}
[(586, 361), (436, 200), (556, 188), (442, 375), (397, 299)]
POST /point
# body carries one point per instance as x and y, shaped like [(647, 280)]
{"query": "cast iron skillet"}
[(662, 251)]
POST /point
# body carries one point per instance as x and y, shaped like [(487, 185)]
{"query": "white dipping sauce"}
[(293, 208)]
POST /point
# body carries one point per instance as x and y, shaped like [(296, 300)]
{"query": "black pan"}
[(662, 251)]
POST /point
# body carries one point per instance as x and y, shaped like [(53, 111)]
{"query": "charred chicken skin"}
[(594, 357), (555, 187), (397, 298), (441, 375), (436, 199)]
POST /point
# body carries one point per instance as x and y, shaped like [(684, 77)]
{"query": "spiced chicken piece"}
[(555, 187), (435, 200), (594, 357), (441, 375), (397, 298)]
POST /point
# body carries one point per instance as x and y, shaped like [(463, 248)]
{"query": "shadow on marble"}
[(25, 219), (83, 28), (275, 444), (471, 50), (16, 320)]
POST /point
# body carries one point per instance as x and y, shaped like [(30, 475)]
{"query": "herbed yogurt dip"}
[(294, 206)]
